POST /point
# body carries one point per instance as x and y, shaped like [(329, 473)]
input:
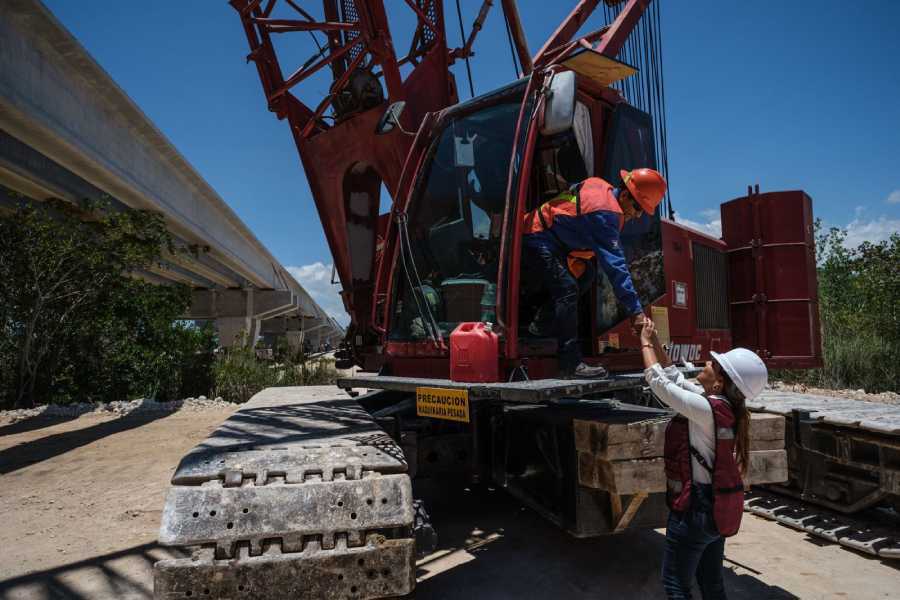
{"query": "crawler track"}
[(844, 471), (297, 495), (842, 454), (866, 533)]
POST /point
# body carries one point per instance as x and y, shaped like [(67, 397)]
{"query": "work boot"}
[(584, 371)]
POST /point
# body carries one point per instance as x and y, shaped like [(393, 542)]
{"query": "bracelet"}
[(646, 345)]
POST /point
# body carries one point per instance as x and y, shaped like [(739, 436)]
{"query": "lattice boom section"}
[(429, 7), (349, 14)]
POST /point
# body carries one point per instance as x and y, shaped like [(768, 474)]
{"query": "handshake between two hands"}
[(643, 326)]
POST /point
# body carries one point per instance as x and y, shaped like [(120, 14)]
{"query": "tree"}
[(67, 298)]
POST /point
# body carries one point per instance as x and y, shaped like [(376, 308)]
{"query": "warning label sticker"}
[(441, 403)]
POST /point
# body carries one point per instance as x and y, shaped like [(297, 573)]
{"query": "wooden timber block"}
[(620, 441), (766, 428), (646, 439), (623, 477), (760, 445), (626, 477), (768, 466)]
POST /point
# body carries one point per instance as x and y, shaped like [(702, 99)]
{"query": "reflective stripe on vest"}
[(728, 497), (591, 195)]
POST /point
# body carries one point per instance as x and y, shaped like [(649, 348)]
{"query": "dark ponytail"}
[(741, 424)]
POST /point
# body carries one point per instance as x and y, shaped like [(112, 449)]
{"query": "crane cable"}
[(646, 89), (462, 37), (512, 51)]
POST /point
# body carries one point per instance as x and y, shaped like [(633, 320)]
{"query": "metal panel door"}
[(773, 296)]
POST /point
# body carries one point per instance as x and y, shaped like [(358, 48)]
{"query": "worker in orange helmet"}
[(562, 237)]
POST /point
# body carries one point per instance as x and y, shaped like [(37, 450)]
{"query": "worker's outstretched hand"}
[(637, 322), (648, 332)]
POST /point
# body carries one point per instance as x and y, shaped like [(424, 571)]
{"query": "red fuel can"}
[(474, 353)]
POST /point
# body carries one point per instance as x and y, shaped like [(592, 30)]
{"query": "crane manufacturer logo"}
[(685, 352)]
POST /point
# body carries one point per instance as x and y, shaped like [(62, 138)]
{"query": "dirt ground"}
[(81, 502)]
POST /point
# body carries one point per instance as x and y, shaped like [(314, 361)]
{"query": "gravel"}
[(119, 407), (146, 405), (883, 397)]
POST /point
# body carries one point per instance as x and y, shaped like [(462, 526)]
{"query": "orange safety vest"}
[(592, 195)]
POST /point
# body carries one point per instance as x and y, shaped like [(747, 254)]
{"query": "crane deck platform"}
[(529, 391)]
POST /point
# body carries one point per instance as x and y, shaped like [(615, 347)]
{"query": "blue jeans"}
[(694, 548), (560, 314)]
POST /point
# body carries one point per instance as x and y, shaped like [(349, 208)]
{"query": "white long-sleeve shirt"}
[(686, 398)]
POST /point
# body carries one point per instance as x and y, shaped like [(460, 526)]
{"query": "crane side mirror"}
[(390, 118), (559, 110)]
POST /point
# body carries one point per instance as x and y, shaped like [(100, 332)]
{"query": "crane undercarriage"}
[(306, 493)]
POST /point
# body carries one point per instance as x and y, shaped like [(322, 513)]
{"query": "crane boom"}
[(345, 162)]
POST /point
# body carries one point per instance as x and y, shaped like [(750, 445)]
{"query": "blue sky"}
[(789, 95)]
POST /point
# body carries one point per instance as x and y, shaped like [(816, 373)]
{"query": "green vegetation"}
[(859, 307), (76, 327), (238, 373)]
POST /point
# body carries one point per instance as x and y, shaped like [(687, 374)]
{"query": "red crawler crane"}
[(461, 175), (346, 162)]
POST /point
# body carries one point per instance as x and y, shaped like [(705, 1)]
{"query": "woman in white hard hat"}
[(706, 453)]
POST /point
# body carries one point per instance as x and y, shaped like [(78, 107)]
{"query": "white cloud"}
[(316, 279), (858, 230), (873, 231), (712, 226), (893, 197)]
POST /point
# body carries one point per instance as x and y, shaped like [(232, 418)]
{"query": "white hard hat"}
[(745, 369)]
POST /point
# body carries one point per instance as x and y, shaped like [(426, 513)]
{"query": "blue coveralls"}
[(547, 250)]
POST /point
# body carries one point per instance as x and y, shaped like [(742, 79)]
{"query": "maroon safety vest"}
[(728, 488)]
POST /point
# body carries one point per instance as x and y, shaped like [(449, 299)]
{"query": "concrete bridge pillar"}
[(256, 313), (240, 312)]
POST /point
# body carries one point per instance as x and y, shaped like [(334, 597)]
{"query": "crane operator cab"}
[(462, 214), (454, 226)]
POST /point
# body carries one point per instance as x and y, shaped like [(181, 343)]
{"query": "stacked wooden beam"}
[(626, 458)]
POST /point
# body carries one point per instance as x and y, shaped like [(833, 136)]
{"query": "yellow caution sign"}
[(441, 403)]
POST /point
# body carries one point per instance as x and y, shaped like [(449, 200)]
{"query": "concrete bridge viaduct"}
[(67, 130)]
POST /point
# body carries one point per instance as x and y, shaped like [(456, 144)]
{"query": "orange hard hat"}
[(647, 186)]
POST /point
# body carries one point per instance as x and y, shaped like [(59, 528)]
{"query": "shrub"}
[(239, 374)]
